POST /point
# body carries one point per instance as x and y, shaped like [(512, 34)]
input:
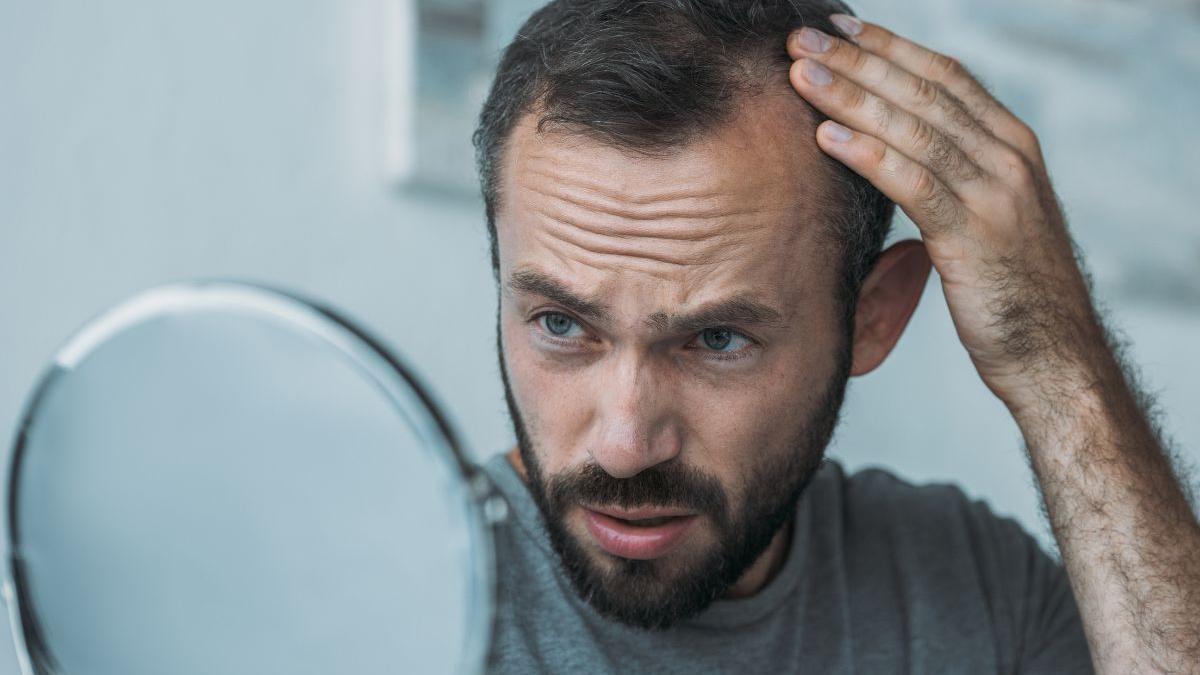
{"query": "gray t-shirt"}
[(882, 576)]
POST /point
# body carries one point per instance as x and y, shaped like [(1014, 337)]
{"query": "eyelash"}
[(536, 319)]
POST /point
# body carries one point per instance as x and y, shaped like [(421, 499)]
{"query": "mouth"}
[(638, 534)]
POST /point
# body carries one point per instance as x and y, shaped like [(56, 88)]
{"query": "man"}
[(687, 201)]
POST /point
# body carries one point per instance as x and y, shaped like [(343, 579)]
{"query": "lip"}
[(640, 514), (624, 540)]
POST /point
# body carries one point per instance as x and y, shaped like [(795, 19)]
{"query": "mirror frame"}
[(365, 353)]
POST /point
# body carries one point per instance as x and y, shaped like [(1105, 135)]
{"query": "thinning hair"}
[(651, 76)]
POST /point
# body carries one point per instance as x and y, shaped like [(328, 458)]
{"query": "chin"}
[(650, 594)]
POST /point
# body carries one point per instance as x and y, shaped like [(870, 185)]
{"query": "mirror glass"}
[(221, 478)]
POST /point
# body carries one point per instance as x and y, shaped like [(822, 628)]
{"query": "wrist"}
[(1065, 393)]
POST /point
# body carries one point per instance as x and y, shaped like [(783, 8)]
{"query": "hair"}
[(652, 75)]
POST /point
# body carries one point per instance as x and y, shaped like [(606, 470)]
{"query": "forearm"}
[(1128, 537), (972, 178)]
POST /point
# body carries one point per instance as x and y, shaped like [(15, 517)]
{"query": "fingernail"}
[(837, 132), (848, 24), (816, 73), (813, 40)]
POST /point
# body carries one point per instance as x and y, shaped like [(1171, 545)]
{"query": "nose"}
[(636, 427)]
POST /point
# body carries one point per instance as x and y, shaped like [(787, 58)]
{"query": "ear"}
[(888, 297)]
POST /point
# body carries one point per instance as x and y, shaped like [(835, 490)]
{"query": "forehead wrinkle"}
[(675, 238), (661, 212), (571, 243), (606, 263), (595, 196), (585, 224), (679, 202), (599, 245)]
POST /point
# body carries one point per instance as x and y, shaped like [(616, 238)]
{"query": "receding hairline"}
[(756, 75), (656, 73), (793, 114)]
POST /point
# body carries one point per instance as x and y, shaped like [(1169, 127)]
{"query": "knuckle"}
[(956, 111), (890, 163), (1023, 130), (884, 39), (881, 114), (879, 157), (921, 136), (878, 73), (1026, 139), (1018, 171), (975, 157), (943, 154), (965, 167), (944, 211), (1008, 157), (924, 185), (924, 92), (859, 58), (852, 96), (1024, 178), (944, 67), (942, 158)]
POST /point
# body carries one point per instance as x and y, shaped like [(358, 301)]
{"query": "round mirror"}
[(223, 478)]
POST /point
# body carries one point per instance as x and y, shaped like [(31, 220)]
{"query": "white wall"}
[(142, 142)]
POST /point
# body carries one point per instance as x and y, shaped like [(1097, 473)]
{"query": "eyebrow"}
[(532, 282), (740, 310), (736, 311)]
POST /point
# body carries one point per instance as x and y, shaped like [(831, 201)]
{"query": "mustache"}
[(666, 485)]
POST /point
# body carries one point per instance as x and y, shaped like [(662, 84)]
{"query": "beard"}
[(651, 594)]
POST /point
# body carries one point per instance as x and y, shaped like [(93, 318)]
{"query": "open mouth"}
[(650, 522), (637, 535)]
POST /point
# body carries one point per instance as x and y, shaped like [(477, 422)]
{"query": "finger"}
[(859, 109), (927, 201), (953, 75), (924, 98)]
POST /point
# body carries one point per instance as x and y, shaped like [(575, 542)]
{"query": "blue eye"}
[(558, 325), (720, 339)]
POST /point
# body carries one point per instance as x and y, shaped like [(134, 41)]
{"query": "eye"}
[(722, 339), (556, 324)]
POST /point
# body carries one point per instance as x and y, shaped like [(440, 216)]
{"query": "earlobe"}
[(889, 296)]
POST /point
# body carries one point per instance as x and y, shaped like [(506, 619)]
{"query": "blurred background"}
[(324, 146)]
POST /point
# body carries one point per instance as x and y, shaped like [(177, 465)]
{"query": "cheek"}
[(735, 425), (552, 401)]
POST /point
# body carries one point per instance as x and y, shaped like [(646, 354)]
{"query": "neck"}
[(753, 579)]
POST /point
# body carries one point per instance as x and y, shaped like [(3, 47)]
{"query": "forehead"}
[(740, 210)]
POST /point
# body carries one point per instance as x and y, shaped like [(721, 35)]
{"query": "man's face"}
[(672, 350)]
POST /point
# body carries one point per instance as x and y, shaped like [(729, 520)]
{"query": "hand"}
[(971, 176)]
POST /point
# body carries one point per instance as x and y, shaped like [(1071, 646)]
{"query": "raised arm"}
[(971, 176)]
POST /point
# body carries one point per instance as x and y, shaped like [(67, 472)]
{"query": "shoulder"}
[(876, 501), (931, 538), (937, 532), (949, 563), (875, 486)]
